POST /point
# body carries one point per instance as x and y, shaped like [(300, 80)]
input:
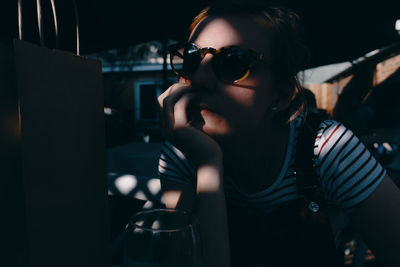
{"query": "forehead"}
[(246, 31)]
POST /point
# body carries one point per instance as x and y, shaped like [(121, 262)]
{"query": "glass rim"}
[(192, 220)]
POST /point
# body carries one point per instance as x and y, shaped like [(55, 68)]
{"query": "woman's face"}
[(221, 109)]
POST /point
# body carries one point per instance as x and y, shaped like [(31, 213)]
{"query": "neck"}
[(260, 154)]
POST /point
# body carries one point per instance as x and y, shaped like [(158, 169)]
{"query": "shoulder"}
[(328, 133), (348, 172)]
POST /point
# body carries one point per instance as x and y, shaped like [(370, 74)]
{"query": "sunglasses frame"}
[(254, 57)]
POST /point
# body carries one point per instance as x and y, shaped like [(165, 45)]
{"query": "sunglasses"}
[(230, 64)]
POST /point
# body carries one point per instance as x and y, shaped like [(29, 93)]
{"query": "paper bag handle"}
[(40, 22), (77, 26)]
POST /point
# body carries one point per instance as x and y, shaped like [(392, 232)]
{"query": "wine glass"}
[(162, 238)]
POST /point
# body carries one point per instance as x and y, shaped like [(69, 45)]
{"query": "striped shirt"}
[(347, 171)]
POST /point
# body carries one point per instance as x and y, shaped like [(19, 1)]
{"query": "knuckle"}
[(166, 101), (160, 99), (173, 94)]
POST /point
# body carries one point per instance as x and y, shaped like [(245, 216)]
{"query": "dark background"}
[(336, 31)]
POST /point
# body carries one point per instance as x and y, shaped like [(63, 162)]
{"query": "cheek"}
[(241, 98), (249, 102), (251, 109), (217, 126), (243, 110)]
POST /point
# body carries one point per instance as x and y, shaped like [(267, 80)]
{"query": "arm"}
[(358, 184), (211, 211), (209, 200), (209, 208), (377, 219)]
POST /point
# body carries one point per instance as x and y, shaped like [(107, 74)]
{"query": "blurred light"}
[(387, 146), (140, 195), (153, 49), (154, 186), (108, 111), (125, 184), (347, 252), (156, 225), (148, 205), (369, 54), (397, 25)]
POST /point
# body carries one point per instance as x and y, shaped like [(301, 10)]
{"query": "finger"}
[(172, 94), (167, 102), (180, 110)]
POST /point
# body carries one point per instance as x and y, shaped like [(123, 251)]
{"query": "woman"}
[(231, 149)]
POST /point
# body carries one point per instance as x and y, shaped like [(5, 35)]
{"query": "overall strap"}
[(307, 178), (304, 166)]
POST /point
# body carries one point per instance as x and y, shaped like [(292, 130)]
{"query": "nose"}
[(204, 77)]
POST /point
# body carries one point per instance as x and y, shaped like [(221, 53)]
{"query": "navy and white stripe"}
[(347, 171), (173, 165)]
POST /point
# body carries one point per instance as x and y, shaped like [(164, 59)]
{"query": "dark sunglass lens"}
[(232, 64), (185, 59), (191, 59), (177, 62), (176, 57)]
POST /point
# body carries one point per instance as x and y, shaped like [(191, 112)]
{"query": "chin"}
[(211, 124), (216, 132)]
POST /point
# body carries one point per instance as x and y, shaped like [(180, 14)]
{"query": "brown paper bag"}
[(52, 158)]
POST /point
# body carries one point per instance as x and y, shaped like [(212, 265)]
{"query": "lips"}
[(198, 108), (196, 112), (206, 107)]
